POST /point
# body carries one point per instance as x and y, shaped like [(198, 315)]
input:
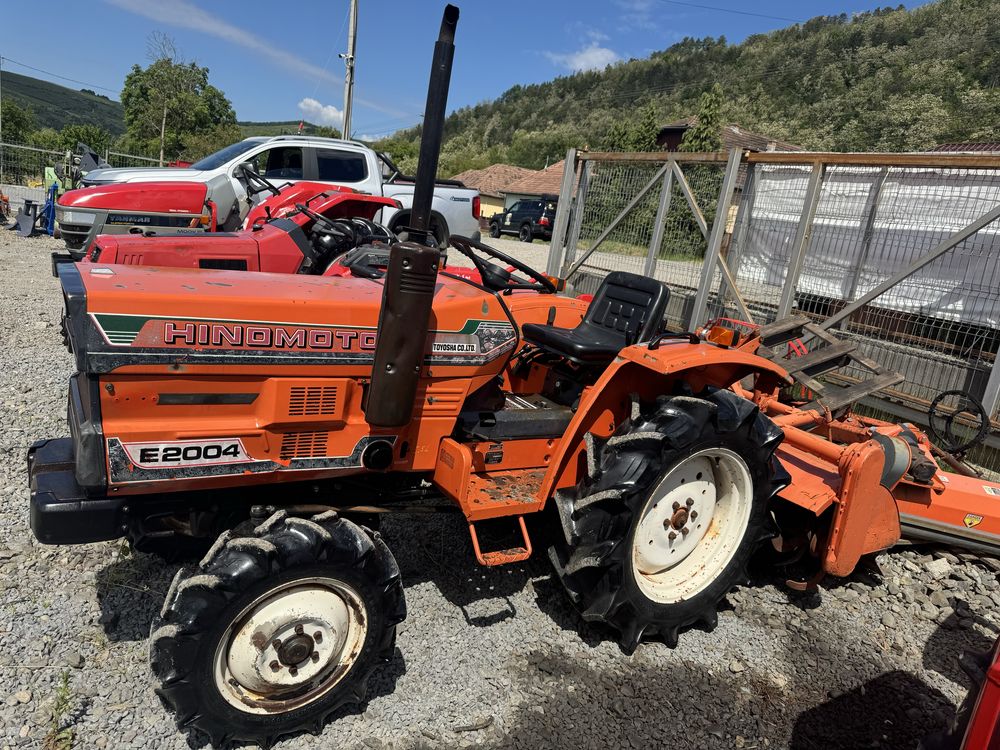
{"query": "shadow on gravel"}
[(438, 550), (893, 711), (130, 591), (951, 645), (677, 705)]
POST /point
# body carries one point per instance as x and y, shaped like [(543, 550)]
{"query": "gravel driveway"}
[(487, 657)]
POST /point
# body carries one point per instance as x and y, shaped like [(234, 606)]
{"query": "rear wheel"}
[(525, 234), (672, 506), (271, 634), (494, 230)]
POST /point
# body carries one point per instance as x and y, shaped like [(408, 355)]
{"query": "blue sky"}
[(278, 61)]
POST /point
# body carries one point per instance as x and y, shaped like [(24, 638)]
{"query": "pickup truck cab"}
[(280, 159)]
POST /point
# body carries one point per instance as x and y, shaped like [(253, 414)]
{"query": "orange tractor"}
[(657, 463)]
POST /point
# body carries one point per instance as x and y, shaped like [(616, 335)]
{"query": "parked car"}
[(281, 159), (528, 218)]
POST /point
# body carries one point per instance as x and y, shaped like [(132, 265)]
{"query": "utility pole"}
[(352, 37)]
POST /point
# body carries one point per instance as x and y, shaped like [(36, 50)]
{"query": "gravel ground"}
[(487, 657)]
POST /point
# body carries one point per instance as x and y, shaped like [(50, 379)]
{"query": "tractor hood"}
[(149, 319), (150, 174), (157, 197)]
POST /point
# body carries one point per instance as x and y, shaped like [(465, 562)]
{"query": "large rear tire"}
[(670, 510), (271, 634)]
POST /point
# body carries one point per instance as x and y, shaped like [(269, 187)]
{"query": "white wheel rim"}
[(290, 646), (692, 525)]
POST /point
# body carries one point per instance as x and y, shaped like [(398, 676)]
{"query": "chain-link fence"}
[(897, 253)]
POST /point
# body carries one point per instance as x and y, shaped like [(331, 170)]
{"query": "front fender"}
[(648, 374)]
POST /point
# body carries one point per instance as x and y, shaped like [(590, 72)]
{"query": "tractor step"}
[(503, 493), (502, 556)]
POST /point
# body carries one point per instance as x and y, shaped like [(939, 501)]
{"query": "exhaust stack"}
[(410, 279)]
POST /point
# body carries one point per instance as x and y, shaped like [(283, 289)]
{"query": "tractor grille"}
[(75, 235), (303, 445), (312, 400)]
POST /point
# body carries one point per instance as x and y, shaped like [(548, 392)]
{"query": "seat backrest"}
[(629, 304)]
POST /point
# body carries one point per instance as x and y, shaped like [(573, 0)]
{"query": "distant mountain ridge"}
[(56, 106)]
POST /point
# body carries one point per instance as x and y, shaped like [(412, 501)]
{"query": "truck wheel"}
[(494, 230), (525, 234), (662, 525), (271, 634)]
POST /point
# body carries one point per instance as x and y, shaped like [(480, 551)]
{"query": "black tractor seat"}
[(627, 308)]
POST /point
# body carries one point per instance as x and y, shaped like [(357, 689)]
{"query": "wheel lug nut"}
[(233, 682), (299, 629), (276, 644), (315, 656), (676, 505), (694, 514), (318, 637), (685, 530), (672, 535), (293, 671), (690, 502), (275, 666)]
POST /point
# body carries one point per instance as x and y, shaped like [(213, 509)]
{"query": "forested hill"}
[(891, 79), (56, 106)]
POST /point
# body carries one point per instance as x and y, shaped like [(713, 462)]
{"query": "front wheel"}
[(494, 230), (273, 633), (670, 511), (525, 234)]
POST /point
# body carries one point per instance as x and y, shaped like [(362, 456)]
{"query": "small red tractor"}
[(654, 464)]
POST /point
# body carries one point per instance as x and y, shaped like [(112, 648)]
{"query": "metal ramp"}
[(833, 354)]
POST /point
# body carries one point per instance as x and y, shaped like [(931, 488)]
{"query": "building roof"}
[(967, 148), (494, 179), (736, 136), (548, 180)]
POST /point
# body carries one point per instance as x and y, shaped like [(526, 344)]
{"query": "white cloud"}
[(591, 57), (321, 114), (186, 15)]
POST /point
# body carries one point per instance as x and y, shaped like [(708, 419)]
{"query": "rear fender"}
[(647, 373)]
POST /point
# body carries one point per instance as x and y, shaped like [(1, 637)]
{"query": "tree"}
[(638, 133), (706, 133), (170, 100), (18, 122), (94, 136)]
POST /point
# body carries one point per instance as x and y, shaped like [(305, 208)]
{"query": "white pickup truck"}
[(290, 158)]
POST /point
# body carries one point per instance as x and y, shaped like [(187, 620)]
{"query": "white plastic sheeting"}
[(857, 242)]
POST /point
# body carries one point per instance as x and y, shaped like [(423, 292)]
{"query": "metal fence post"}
[(562, 214), (715, 239), (579, 206), (661, 219), (802, 234)]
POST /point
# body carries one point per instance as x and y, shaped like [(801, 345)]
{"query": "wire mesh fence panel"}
[(22, 172), (120, 160), (627, 245), (937, 326)]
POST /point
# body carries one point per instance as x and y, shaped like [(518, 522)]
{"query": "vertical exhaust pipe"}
[(411, 277)]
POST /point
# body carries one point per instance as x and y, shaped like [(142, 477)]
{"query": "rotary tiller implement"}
[(308, 405)]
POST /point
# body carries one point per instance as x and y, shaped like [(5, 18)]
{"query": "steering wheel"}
[(261, 183), (497, 278), (326, 224), (957, 421)]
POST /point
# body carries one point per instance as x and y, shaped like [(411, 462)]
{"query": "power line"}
[(731, 10), (56, 75)]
